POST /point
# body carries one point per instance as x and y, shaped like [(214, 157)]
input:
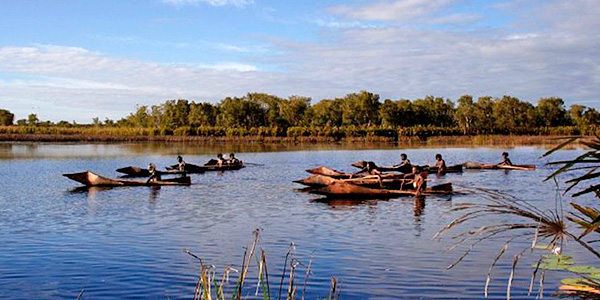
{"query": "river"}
[(127, 243)]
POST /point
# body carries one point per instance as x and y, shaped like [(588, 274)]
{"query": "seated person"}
[(506, 160), (440, 163), (154, 174), (368, 167), (232, 160), (181, 165), (220, 160), (405, 163)]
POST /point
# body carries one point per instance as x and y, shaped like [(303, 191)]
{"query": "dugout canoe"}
[(480, 166), (348, 190), (141, 172), (88, 178), (317, 181), (195, 169), (405, 169), (329, 172)]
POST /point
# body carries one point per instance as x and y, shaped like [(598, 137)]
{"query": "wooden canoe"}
[(193, 169), (348, 190), (88, 178), (480, 166), (329, 172), (134, 171), (449, 169), (140, 172), (404, 169), (317, 181)]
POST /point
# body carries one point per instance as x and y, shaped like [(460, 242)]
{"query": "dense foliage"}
[(357, 114)]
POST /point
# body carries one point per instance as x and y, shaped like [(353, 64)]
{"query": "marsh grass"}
[(540, 226), (212, 285)]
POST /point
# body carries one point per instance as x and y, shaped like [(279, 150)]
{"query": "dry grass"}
[(211, 286)]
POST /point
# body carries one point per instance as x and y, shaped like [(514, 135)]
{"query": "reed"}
[(212, 286)]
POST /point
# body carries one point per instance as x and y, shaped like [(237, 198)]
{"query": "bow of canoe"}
[(328, 172), (480, 166), (134, 171), (88, 178)]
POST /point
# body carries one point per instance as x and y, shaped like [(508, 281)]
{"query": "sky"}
[(79, 59)]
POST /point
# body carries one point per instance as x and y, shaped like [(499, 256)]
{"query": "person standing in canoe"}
[(420, 180), (404, 164), (220, 160), (154, 175), (232, 160), (440, 164), (506, 161), (181, 165)]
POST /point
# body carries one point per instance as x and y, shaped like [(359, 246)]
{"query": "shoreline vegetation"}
[(415, 141), (259, 117)]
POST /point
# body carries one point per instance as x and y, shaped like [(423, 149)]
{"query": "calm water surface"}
[(126, 243)]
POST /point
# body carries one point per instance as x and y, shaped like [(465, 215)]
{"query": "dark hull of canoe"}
[(450, 169), (139, 172), (500, 167), (408, 169), (223, 168), (90, 179), (134, 171), (348, 190), (195, 169), (189, 168)]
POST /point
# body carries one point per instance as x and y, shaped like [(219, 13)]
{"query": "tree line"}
[(485, 115)]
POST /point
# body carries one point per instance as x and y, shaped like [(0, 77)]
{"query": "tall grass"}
[(212, 285)]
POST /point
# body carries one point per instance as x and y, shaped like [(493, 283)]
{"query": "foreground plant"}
[(546, 227), (209, 286)]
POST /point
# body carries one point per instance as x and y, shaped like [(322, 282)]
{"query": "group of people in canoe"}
[(418, 174), (181, 166)]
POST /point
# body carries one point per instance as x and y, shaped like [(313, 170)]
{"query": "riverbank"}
[(413, 141)]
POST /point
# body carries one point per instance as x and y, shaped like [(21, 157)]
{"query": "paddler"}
[(420, 180), (405, 163), (440, 163), (232, 160), (220, 160), (181, 165), (154, 175), (370, 168), (506, 161)]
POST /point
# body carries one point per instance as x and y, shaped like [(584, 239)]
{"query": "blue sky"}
[(75, 60)]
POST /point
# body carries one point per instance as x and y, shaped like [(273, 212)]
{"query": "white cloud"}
[(238, 3), (546, 56), (391, 10)]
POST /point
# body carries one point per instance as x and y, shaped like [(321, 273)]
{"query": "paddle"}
[(253, 164)]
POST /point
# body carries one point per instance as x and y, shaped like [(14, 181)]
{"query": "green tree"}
[(466, 113), (241, 112), (361, 109), (552, 112), (591, 117), (202, 114), (6, 117), (576, 113), (32, 120), (510, 113), (327, 112), (293, 110)]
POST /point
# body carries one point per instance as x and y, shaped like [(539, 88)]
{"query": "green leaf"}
[(562, 145)]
